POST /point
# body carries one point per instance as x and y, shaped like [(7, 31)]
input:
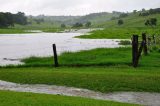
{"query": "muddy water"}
[(149, 99), (16, 46)]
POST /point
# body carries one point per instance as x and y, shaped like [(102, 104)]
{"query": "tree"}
[(20, 18), (6, 19), (151, 22), (76, 25), (120, 22), (143, 10), (63, 26), (123, 15), (134, 11), (88, 24), (147, 23)]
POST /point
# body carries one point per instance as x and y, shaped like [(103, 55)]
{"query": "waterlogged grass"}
[(52, 30), (119, 33), (28, 99), (98, 57)]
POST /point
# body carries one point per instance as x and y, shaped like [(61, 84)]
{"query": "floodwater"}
[(142, 98), (14, 47)]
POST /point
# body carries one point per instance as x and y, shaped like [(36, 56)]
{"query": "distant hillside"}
[(103, 19), (94, 18), (134, 19)]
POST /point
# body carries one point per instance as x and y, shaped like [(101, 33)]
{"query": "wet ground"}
[(13, 47), (148, 99)]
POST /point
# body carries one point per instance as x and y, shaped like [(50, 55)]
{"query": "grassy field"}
[(109, 70), (22, 28), (28, 99), (120, 33), (133, 24), (12, 31)]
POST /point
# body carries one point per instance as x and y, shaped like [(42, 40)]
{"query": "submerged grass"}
[(97, 57)]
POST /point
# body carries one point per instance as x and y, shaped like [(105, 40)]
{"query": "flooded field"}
[(16, 46)]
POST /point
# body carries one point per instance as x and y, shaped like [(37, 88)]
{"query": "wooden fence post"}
[(154, 40), (139, 53), (134, 50), (144, 38), (149, 43), (55, 56)]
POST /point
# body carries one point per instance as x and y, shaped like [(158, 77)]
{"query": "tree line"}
[(79, 25), (149, 12), (8, 19)]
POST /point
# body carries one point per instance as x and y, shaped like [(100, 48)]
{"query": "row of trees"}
[(149, 12), (78, 25), (8, 19)]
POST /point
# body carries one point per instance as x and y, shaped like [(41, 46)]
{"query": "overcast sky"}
[(74, 7)]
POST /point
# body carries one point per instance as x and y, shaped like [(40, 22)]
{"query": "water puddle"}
[(149, 99)]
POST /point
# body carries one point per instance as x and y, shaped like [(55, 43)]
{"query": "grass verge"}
[(29, 99)]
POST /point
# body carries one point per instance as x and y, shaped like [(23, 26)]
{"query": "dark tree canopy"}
[(8, 19), (63, 26), (150, 12), (88, 24), (76, 25), (120, 22), (123, 15), (151, 22)]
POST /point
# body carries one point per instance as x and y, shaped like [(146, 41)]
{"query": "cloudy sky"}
[(74, 7)]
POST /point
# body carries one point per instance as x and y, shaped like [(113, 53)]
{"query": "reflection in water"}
[(16, 46)]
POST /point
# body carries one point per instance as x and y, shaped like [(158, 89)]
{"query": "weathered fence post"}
[(134, 50), (55, 56), (154, 40), (144, 38), (149, 43)]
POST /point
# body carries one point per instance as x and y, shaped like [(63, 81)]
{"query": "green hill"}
[(134, 23), (94, 18)]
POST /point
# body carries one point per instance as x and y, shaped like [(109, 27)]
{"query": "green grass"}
[(109, 71), (133, 24), (29, 99), (120, 33), (103, 79), (97, 57), (12, 31)]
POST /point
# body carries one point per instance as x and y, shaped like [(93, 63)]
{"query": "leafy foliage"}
[(9, 19), (120, 22)]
